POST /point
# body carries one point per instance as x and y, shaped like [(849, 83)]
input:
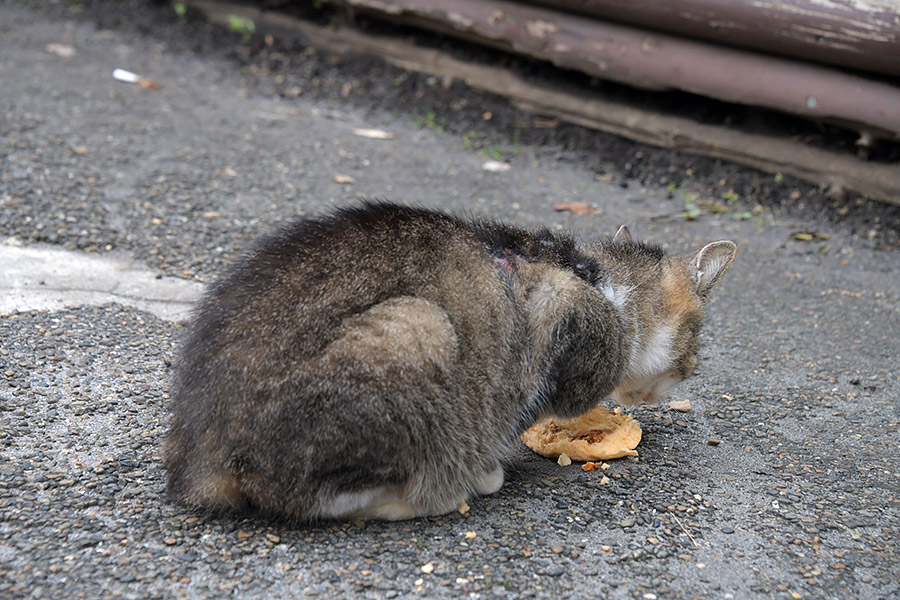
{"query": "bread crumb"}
[(680, 405)]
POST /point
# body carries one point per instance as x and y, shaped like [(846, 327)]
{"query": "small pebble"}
[(680, 405)]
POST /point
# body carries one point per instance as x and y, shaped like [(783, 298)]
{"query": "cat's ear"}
[(623, 236), (708, 264)]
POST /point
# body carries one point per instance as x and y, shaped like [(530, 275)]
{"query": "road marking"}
[(46, 277)]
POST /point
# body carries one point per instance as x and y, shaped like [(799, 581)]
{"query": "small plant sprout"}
[(430, 122), (241, 25)]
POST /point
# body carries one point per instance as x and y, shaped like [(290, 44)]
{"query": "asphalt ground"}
[(799, 379)]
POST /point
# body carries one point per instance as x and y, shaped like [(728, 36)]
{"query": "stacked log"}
[(752, 62), (657, 60)]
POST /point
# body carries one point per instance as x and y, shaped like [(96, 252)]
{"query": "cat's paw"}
[(490, 482)]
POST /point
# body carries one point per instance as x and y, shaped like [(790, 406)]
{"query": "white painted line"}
[(45, 277)]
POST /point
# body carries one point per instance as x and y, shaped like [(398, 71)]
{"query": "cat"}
[(379, 362)]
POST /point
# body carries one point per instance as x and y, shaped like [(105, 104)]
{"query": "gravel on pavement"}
[(782, 481)]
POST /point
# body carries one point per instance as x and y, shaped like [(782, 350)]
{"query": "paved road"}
[(799, 376)]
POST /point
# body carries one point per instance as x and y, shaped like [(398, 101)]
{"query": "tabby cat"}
[(379, 362)]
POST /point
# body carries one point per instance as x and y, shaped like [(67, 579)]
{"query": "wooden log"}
[(863, 36), (773, 155), (660, 61)]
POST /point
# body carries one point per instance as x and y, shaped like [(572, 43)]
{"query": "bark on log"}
[(860, 35), (660, 61), (774, 155)]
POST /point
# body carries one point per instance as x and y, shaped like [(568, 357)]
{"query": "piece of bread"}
[(600, 434)]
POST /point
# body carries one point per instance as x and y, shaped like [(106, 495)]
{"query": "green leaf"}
[(242, 25)]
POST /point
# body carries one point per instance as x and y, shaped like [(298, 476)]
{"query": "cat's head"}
[(663, 297)]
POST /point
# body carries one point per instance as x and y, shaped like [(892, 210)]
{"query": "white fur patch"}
[(655, 356), (347, 503), (617, 295), (387, 502)]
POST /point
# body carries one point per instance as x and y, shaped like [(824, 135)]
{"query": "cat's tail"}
[(198, 478)]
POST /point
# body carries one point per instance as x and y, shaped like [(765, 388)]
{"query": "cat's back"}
[(292, 292), (372, 242)]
